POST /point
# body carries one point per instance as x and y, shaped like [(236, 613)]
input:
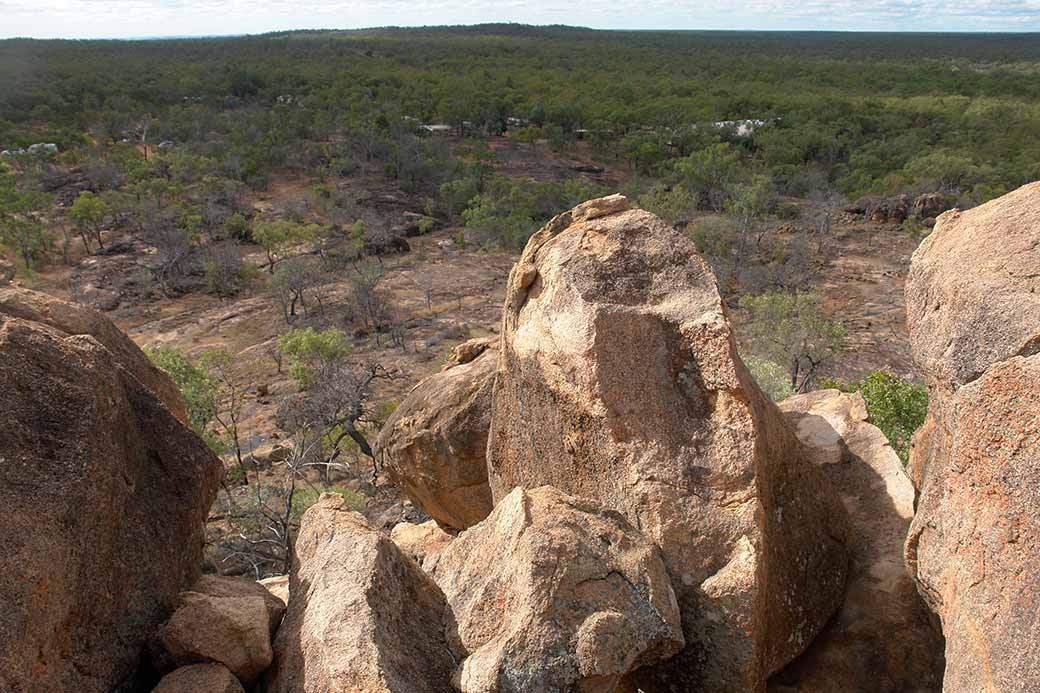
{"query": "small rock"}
[(200, 678)]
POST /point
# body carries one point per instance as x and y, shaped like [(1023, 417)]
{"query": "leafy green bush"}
[(896, 406), (771, 377), (309, 350), (199, 388)]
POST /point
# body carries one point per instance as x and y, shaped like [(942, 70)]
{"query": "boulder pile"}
[(619, 382), (616, 506)]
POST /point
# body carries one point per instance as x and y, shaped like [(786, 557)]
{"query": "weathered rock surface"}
[(221, 619), (619, 381), (422, 543), (974, 546), (552, 593), (363, 616), (972, 292), (278, 587), (220, 587), (103, 498), (469, 350), (233, 631), (930, 205), (7, 272), (973, 304), (73, 319), (200, 678), (882, 639), (434, 445), (881, 209)]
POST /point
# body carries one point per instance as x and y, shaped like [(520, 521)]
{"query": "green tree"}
[(309, 352), (277, 237), (88, 213), (200, 390), (787, 329), (711, 173)]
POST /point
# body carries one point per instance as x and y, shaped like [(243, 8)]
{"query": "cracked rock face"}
[(973, 302), (619, 382), (574, 599)]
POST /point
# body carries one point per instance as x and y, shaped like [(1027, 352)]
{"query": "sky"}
[(143, 18)]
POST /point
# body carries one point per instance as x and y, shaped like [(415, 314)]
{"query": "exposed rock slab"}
[(434, 445), (103, 499), (552, 593), (363, 616), (619, 381), (882, 639)]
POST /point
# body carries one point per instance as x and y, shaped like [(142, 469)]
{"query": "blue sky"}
[(136, 18)]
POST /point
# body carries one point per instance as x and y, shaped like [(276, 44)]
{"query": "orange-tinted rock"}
[(103, 499), (973, 304), (363, 617), (552, 593), (434, 446), (619, 382)]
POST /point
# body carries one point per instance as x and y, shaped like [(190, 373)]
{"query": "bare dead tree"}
[(335, 407)]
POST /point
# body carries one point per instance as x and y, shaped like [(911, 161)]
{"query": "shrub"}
[(771, 377), (307, 496), (896, 406)]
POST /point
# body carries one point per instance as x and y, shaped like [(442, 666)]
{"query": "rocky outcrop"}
[(7, 272), (930, 205), (974, 318), (882, 639), (880, 209), (574, 599), (225, 620), (434, 445), (103, 498), (971, 295), (200, 678), (73, 319), (422, 543), (363, 616), (619, 382)]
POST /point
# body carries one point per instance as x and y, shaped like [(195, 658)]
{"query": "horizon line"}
[(390, 27)]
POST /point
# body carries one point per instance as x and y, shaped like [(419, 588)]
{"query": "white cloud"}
[(123, 18)]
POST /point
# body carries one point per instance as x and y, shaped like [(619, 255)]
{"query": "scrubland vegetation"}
[(755, 144)]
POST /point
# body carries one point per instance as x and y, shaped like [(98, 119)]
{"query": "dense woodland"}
[(859, 112), (166, 145)]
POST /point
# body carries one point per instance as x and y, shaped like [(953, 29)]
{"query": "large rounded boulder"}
[(434, 445), (619, 382), (103, 498)]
